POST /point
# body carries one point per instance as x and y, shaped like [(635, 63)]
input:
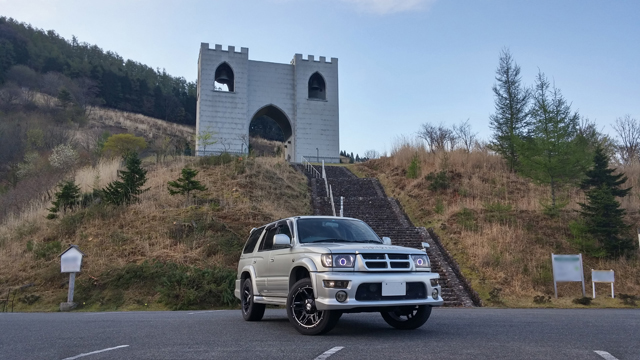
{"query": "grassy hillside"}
[(493, 223), (164, 252)]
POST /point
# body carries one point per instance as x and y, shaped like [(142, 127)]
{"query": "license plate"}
[(394, 289)]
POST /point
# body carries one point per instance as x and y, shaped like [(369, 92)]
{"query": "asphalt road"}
[(449, 334)]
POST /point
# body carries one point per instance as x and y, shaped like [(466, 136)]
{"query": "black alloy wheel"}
[(303, 314), (250, 310), (407, 317)]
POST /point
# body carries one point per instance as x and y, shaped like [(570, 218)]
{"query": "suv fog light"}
[(341, 296), (335, 284), (434, 293)]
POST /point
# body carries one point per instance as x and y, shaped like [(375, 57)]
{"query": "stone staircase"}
[(365, 199)]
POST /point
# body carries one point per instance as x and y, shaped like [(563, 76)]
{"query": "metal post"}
[(582, 273), (317, 155), (326, 186), (341, 206), (324, 173), (555, 285), (613, 297), (333, 207), (72, 285)]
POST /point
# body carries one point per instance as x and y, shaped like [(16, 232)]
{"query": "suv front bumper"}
[(326, 297)]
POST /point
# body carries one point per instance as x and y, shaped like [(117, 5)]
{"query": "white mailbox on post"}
[(70, 262)]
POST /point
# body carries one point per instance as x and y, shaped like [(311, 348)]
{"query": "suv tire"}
[(302, 312), (250, 310), (407, 318)]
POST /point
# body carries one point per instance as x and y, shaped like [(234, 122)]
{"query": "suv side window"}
[(253, 240), (267, 241), (283, 228)]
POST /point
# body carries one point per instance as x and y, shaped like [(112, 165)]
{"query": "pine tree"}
[(603, 217), (601, 175), (64, 97), (510, 121), (66, 198), (127, 189), (186, 183), (554, 154)]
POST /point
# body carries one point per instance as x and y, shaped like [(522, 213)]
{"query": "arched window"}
[(224, 78), (317, 87)]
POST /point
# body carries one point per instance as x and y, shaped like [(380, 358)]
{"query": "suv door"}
[(261, 262), (280, 263)]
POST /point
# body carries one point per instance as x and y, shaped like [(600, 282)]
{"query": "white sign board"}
[(606, 276), (567, 268), (602, 276), (71, 261)]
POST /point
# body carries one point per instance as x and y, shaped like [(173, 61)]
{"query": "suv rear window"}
[(253, 240)]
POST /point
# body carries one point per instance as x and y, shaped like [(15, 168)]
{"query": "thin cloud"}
[(383, 7)]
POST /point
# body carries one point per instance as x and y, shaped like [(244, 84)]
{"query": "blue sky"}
[(402, 62)]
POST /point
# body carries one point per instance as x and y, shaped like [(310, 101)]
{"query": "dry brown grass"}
[(139, 124), (87, 178), (511, 249), (264, 147), (241, 195)]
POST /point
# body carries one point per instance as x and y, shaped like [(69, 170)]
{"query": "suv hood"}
[(363, 248)]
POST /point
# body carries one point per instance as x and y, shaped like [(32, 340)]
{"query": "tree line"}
[(541, 137), (117, 83)]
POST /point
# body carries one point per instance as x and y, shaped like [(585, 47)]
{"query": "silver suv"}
[(320, 267)]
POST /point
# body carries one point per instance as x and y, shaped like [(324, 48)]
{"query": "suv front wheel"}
[(302, 312), (250, 310)]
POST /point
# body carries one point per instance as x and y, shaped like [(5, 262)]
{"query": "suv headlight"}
[(421, 261), (338, 261)]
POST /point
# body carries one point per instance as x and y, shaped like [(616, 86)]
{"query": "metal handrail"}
[(307, 164), (333, 206)]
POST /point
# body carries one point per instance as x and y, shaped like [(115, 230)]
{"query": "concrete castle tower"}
[(301, 97)]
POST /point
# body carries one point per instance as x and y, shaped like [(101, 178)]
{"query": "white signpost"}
[(605, 276), (567, 268), (70, 262)]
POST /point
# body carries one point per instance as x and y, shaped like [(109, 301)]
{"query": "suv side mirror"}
[(282, 240), (386, 240)]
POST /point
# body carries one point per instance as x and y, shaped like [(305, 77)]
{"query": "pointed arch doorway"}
[(272, 124)]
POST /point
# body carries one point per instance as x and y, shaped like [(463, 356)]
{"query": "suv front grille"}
[(373, 292), (386, 261), (374, 256)]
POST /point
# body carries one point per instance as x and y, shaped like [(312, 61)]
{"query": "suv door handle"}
[(254, 261), (272, 259)]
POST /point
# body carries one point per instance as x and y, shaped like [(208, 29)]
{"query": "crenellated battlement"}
[(230, 49), (311, 58), (301, 97)]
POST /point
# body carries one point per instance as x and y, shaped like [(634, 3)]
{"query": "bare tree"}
[(27, 79), (465, 135), (438, 137), (10, 95), (85, 92), (628, 130), (50, 84), (371, 154), (244, 138), (161, 146)]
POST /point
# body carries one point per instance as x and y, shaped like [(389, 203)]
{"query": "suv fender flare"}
[(252, 275), (311, 268)]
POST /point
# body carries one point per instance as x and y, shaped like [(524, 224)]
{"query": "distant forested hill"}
[(107, 77)]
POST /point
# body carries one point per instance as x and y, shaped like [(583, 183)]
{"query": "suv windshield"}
[(335, 230)]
